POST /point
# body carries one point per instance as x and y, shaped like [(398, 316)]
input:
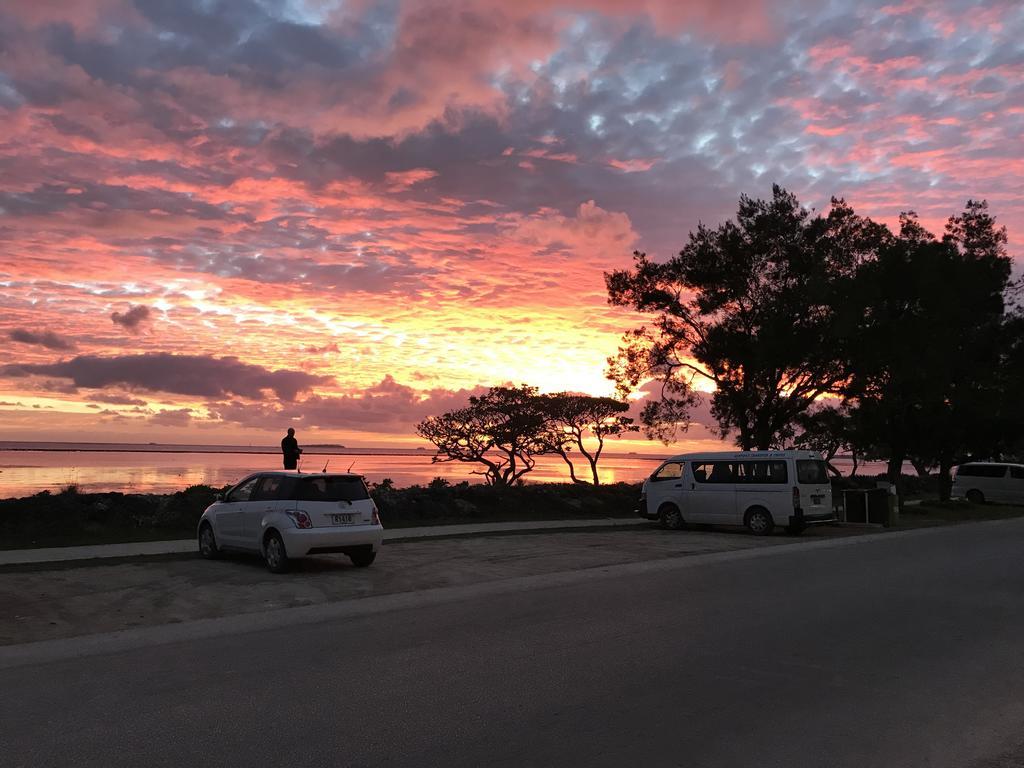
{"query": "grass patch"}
[(934, 512)]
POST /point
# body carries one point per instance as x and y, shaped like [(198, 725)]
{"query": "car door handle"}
[(679, 485)]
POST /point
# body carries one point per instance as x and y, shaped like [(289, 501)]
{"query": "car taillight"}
[(301, 519), (796, 497), (376, 516)]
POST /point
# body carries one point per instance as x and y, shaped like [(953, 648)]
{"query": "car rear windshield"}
[(332, 488), (810, 472)]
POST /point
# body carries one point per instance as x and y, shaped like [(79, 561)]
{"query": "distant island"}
[(325, 445)]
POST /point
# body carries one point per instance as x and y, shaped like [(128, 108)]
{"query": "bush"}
[(72, 516), (444, 502)]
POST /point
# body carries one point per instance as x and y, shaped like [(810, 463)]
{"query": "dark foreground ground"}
[(891, 650), (59, 600)]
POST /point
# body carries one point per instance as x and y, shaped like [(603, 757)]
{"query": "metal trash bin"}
[(866, 505)]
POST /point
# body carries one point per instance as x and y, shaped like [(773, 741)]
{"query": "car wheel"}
[(975, 496), (274, 553), (362, 559), (208, 543), (670, 517), (759, 521)]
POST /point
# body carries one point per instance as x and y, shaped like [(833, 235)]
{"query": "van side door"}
[(1015, 486), (712, 493), (1000, 484)]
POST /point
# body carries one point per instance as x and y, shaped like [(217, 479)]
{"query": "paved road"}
[(899, 650)]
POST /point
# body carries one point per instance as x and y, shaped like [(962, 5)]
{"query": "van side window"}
[(1017, 473), (764, 471), (673, 470), (713, 472)]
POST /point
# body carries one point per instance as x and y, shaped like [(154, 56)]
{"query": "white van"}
[(758, 489), (979, 482)]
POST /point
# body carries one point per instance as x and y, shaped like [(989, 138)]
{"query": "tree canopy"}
[(926, 336), (750, 307), (506, 429), (498, 430), (582, 423)]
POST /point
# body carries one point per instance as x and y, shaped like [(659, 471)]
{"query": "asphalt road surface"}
[(895, 650)]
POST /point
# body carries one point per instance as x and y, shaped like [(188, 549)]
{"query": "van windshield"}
[(332, 488), (810, 472)]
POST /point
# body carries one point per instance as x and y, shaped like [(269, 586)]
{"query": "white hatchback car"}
[(287, 514)]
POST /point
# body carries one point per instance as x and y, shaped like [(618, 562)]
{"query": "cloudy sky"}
[(221, 218)]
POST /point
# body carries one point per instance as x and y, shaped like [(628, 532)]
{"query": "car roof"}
[(297, 473), (745, 455), (989, 464)]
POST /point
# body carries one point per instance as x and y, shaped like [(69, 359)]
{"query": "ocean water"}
[(27, 468)]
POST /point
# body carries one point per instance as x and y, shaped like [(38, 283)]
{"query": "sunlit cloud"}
[(342, 216)]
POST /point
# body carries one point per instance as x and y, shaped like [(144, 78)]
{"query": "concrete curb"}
[(181, 546)]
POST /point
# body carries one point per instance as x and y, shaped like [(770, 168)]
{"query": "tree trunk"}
[(572, 469), (945, 477), (853, 457), (762, 440), (920, 467), (895, 474)]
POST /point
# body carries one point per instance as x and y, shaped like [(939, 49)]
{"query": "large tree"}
[(582, 423), (827, 430), (499, 430), (925, 342), (750, 308)]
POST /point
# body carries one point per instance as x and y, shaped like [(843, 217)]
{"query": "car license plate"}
[(817, 499), (344, 518)]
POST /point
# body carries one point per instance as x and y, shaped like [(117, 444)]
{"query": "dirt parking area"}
[(66, 600)]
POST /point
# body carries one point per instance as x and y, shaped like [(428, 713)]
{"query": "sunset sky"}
[(219, 219)]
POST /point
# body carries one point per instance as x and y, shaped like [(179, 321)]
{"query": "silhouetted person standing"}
[(290, 449)]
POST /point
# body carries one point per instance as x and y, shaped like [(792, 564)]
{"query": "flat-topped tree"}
[(577, 422), (499, 430), (749, 307)]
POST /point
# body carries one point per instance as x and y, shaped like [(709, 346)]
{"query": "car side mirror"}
[(219, 497)]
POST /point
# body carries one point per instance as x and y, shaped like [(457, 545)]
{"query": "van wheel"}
[(671, 517), (759, 521), (975, 496), (274, 553)]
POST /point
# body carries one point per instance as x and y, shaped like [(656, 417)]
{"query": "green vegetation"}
[(440, 502), (70, 518)]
